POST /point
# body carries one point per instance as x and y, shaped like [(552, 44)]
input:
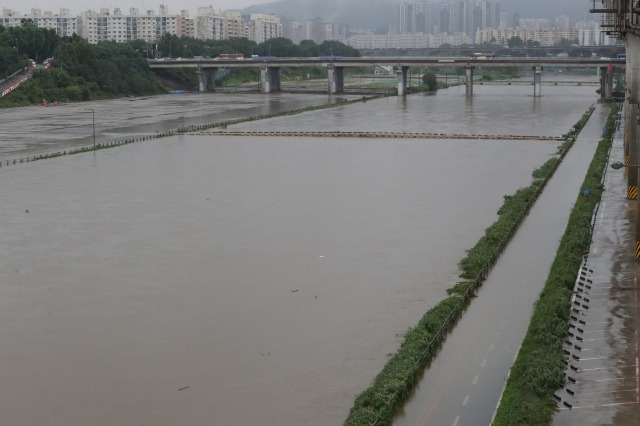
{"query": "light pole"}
[(93, 119)]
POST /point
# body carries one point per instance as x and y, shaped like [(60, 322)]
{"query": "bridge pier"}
[(270, 79), (537, 82), (206, 79), (336, 79), (606, 82), (469, 80), (402, 73)]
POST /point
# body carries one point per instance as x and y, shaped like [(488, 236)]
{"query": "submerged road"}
[(463, 385), (603, 373)]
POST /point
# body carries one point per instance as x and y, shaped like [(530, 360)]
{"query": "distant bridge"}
[(270, 68)]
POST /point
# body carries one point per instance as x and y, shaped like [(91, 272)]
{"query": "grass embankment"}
[(392, 386), (539, 369)]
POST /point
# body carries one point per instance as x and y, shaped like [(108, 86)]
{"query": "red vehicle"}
[(231, 56)]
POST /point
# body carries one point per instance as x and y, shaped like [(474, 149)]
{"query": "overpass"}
[(270, 68)]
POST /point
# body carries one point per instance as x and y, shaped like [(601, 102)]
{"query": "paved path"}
[(603, 371), (463, 385)]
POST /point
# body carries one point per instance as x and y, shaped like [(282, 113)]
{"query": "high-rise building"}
[(263, 27), (186, 25), (236, 25), (445, 19), (63, 23), (318, 30), (101, 26), (210, 25)]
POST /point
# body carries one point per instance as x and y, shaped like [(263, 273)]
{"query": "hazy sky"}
[(77, 6), (526, 7)]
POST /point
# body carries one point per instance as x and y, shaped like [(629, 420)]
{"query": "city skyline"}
[(79, 6)]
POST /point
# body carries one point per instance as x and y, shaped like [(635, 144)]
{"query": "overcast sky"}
[(77, 6), (527, 8)]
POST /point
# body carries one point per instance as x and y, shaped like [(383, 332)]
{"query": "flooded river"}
[(243, 280)]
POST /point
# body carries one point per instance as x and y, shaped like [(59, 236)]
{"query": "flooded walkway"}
[(463, 385), (603, 373)]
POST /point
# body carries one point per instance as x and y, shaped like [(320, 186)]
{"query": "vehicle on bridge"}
[(231, 56)]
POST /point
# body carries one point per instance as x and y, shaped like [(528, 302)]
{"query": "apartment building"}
[(236, 26), (545, 36), (263, 27), (106, 26), (62, 23), (210, 25), (406, 41)]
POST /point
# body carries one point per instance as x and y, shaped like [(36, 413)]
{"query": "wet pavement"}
[(603, 373), (464, 383)]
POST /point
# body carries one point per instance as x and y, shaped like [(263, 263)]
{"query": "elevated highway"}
[(270, 68)]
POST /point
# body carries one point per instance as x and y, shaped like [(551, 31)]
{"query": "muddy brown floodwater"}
[(236, 280)]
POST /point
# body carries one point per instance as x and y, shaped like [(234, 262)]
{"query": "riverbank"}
[(539, 370), (393, 386)]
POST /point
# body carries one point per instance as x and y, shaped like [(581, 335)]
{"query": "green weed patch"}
[(539, 368)]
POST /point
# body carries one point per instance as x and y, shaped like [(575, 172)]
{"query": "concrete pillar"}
[(626, 118), (270, 79), (402, 73), (606, 82), (469, 81), (632, 170), (206, 79), (537, 82), (336, 79)]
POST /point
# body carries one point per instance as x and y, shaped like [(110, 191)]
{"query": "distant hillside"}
[(380, 14)]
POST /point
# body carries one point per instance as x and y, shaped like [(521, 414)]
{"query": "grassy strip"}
[(222, 124), (540, 366), (391, 388)]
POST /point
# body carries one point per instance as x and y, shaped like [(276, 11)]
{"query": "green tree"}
[(429, 79), (279, 46), (308, 49), (336, 48), (515, 41)]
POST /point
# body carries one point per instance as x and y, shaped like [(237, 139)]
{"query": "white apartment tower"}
[(235, 26), (210, 25), (263, 27), (103, 26)]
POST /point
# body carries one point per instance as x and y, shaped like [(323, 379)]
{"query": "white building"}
[(101, 26), (544, 36), (406, 41), (210, 25), (263, 27), (236, 25), (63, 23), (595, 37)]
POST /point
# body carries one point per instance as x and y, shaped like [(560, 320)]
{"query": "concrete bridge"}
[(270, 68)]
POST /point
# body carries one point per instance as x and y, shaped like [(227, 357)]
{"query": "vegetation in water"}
[(539, 369), (391, 388)]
